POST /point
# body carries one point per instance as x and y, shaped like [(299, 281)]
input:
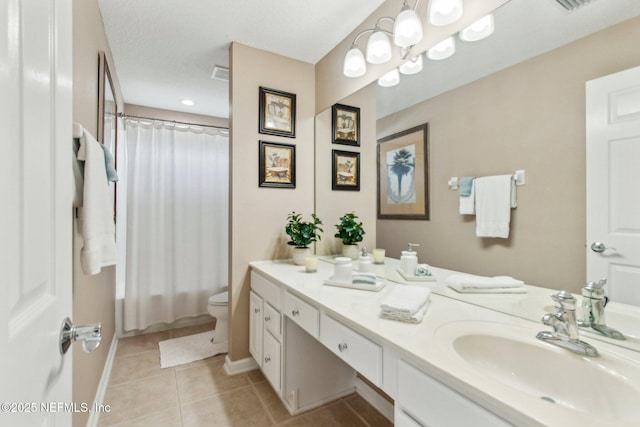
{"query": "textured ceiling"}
[(164, 51)]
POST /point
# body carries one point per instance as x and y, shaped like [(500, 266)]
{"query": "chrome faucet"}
[(565, 326), (593, 303)]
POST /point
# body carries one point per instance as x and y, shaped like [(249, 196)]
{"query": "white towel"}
[(514, 290), (495, 196), (405, 317), (96, 216), (468, 203), (405, 299), (473, 283)]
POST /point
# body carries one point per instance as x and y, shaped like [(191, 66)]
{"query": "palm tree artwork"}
[(401, 170)]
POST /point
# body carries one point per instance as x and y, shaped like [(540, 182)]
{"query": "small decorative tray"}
[(380, 283), (414, 278)]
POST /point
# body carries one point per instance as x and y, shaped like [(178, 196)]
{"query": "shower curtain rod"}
[(171, 121)]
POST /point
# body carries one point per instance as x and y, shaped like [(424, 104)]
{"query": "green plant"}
[(349, 229), (302, 234)]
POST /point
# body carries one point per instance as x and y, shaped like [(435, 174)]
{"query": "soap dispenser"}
[(409, 260), (364, 262)]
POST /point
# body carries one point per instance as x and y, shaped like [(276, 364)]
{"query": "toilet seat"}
[(219, 299)]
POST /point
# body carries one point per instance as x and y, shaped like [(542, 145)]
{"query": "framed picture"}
[(345, 170), (277, 113), (403, 175), (277, 165), (345, 123)]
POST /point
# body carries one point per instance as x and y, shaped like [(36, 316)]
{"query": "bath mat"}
[(178, 351)]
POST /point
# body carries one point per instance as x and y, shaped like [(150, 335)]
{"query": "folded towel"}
[(466, 184), (96, 216), (515, 290), (407, 299), (495, 195), (363, 278), (470, 281), (468, 203), (405, 317), (423, 270)]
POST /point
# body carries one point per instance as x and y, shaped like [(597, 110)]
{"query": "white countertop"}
[(423, 345)]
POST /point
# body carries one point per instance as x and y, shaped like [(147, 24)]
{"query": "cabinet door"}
[(271, 361), (256, 324)]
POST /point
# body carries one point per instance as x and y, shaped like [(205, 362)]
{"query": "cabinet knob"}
[(267, 359), (267, 318), (294, 312), (256, 310), (342, 347)]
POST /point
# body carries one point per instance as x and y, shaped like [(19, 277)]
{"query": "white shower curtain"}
[(176, 202)]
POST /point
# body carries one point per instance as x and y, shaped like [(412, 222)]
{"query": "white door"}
[(36, 210), (613, 184)]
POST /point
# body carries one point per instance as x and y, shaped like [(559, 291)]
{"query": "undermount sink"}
[(606, 387)]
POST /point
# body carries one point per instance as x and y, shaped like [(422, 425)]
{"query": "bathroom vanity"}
[(464, 364)]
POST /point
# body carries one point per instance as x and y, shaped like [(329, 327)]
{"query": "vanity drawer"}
[(270, 292), (272, 321), (364, 355), (303, 313), (429, 402)]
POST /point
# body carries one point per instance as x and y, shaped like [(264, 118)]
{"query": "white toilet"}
[(218, 308)]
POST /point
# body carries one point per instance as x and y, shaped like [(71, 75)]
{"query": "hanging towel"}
[(495, 196), (469, 283), (96, 216), (405, 299), (467, 195), (109, 165)]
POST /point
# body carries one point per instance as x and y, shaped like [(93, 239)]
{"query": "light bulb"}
[(378, 48), (479, 30), (354, 63), (442, 50), (412, 66), (445, 12), (392, 78), (407, 30)]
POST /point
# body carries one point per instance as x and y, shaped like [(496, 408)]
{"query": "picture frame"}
[(277, 113), (403, 174), (345, 125), (277, 166), (345, 171)]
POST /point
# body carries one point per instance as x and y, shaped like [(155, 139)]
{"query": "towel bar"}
[(518, 177)]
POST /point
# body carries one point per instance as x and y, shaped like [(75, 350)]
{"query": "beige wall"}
[(258, 215), (93, 296), (331, 205), (332, 85), (530, 116)]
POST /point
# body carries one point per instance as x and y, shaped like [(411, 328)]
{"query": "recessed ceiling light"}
[(188, 102)]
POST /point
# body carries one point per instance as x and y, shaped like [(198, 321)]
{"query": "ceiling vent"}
[(572, 5), (220, 73)]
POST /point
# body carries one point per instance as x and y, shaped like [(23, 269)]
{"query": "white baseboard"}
[(104, 382), (239, 366), (374, 399)]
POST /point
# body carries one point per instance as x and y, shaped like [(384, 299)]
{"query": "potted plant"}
[(350, 231), (302, 234)]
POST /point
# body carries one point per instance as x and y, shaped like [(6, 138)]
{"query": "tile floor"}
[(201, 394)]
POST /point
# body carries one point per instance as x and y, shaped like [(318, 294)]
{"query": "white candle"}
[(311, 264), (378, 256)]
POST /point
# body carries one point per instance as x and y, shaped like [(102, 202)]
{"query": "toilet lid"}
[(219, 299)]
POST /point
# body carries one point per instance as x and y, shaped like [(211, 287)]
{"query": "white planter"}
[(351, 251), (300, 254)]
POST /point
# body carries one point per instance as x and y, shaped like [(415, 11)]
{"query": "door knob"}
[(90, 335), (600, 247)]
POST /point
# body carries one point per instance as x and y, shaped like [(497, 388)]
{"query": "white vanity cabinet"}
[(423, 401), (265, 326)]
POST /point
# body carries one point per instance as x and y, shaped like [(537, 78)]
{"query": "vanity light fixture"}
[(354, 63), (407, 29), (442, 50), (412, 66), (378, 47), (188, 102), (444, 12), (392, 78), (479, 30)]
